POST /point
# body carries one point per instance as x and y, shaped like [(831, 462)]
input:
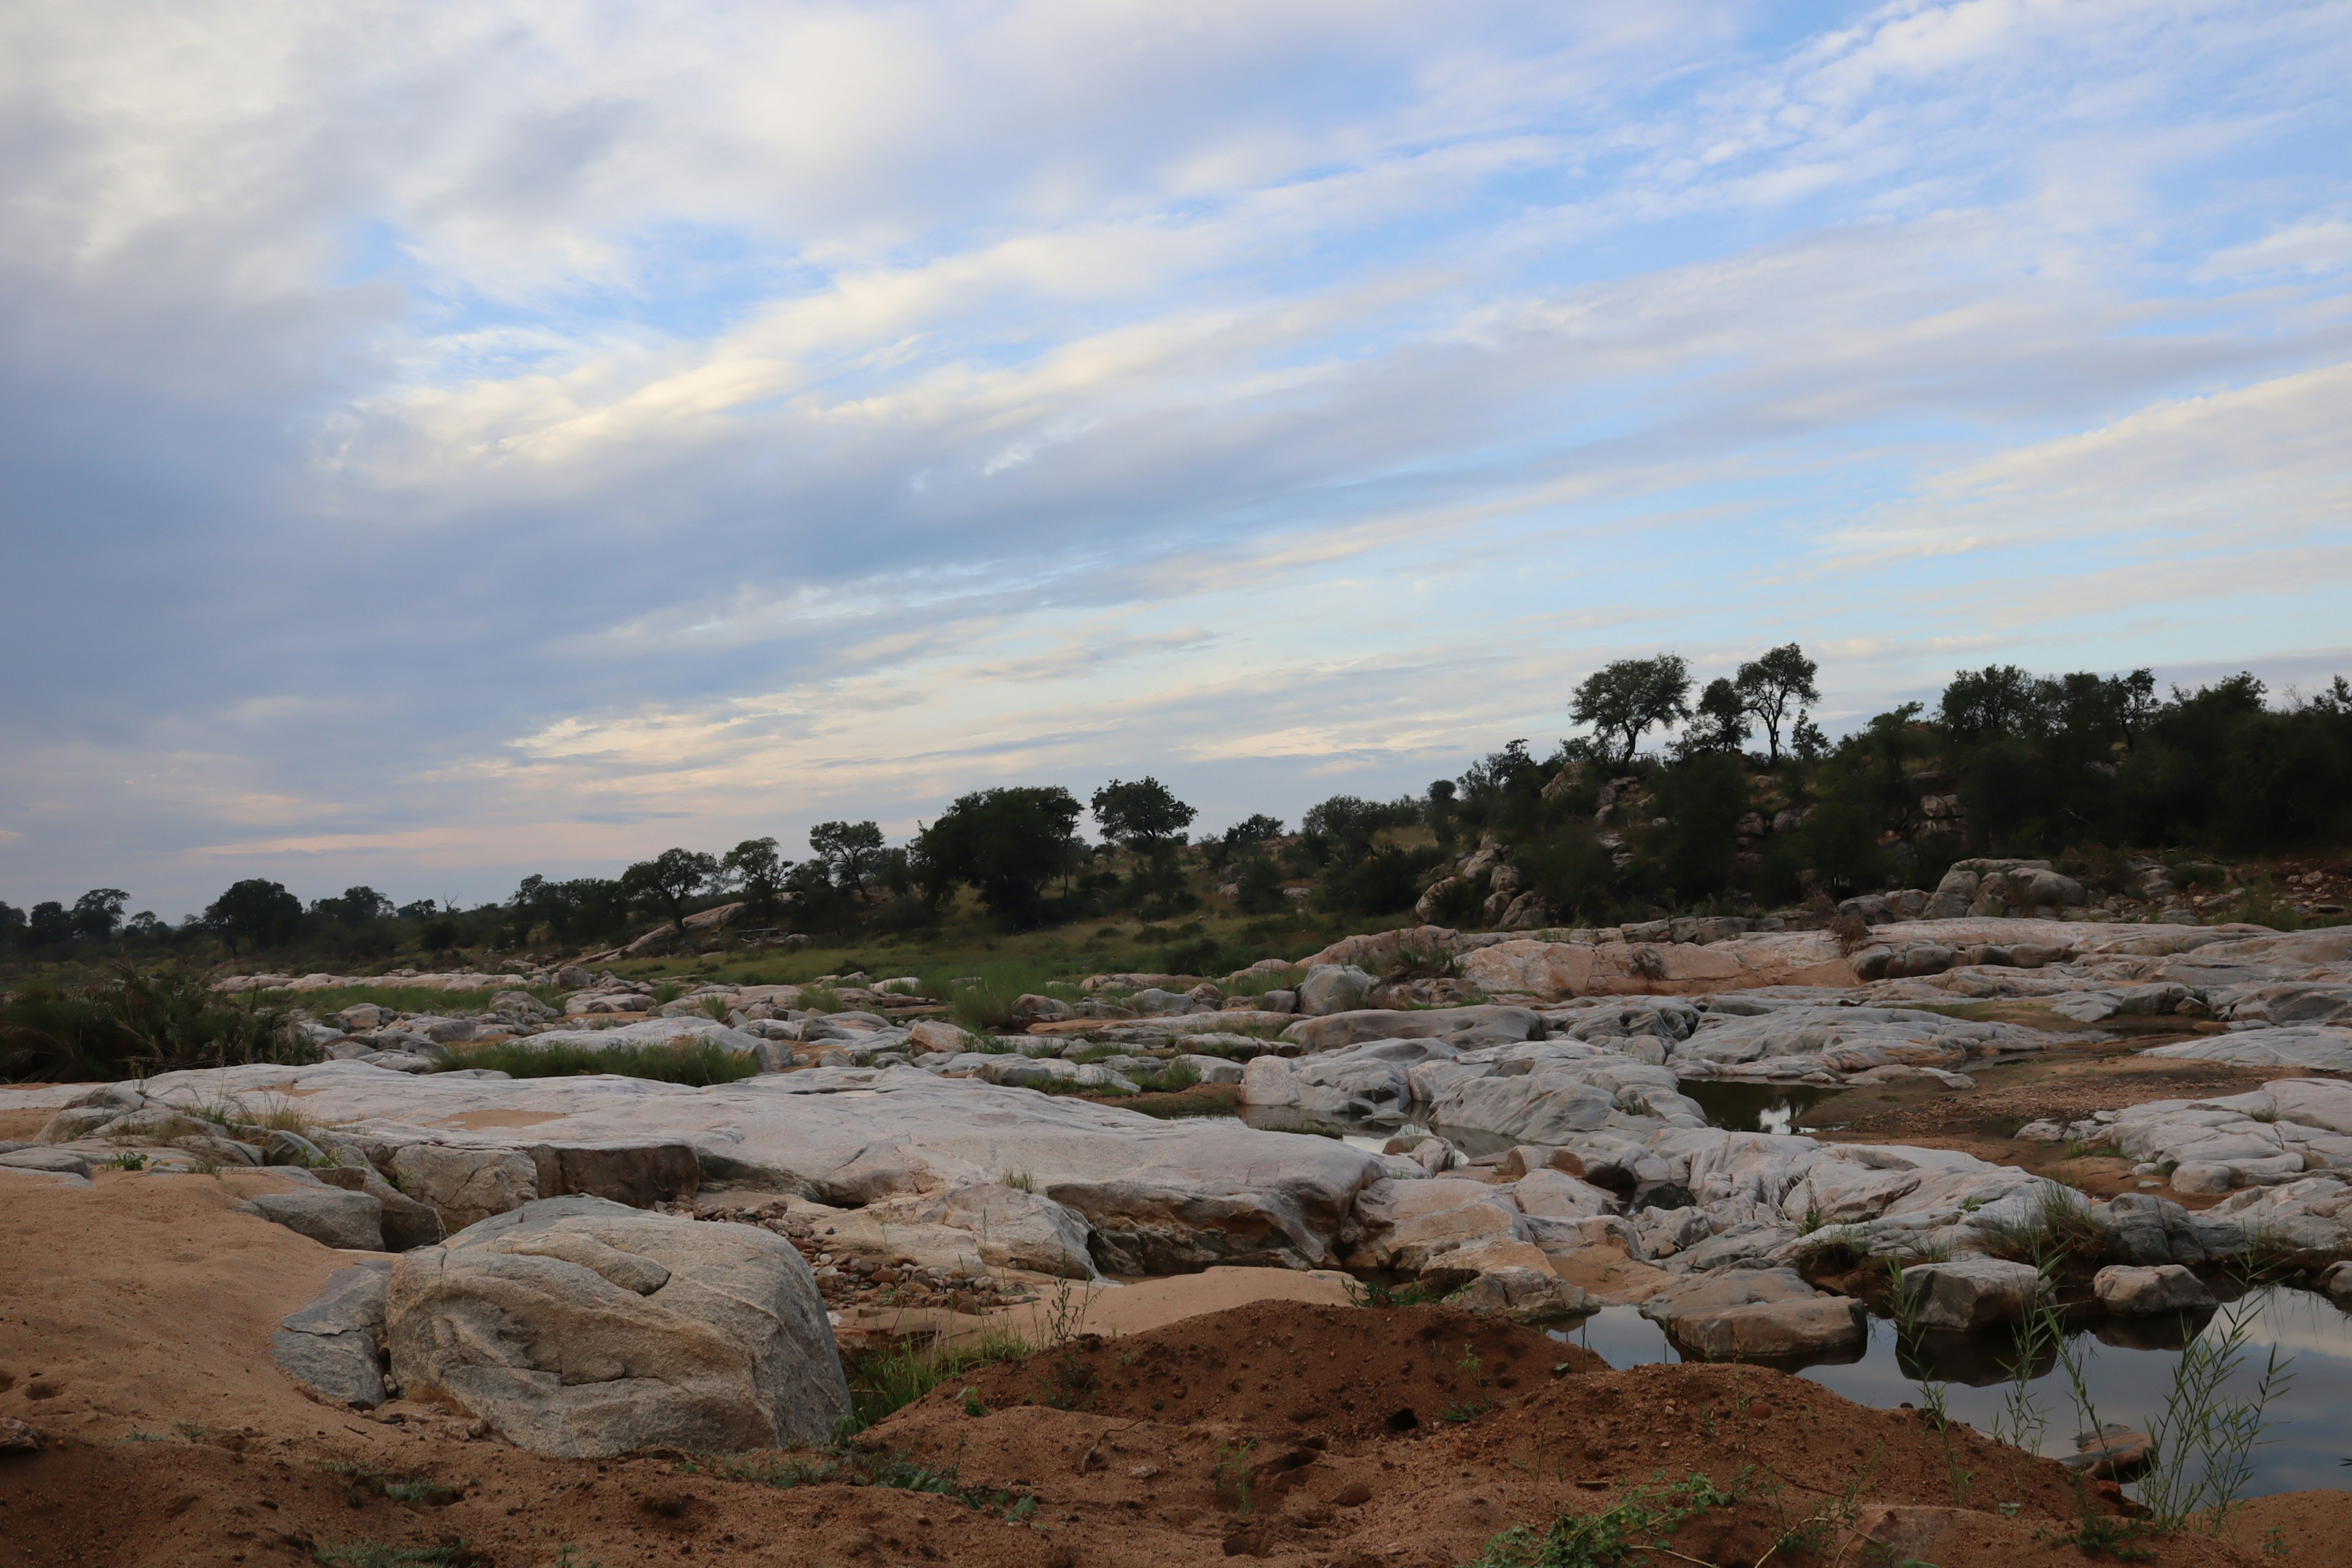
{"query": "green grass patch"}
[(697, 1062), (889, 1378)]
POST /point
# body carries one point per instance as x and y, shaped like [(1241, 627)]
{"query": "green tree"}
[(848, 847), (1142, 815), (48, 924), (1702, 800), (1260, 890), (670, 878), (1005, 843), (1769, 687), (755, 868), (1998, 700), (1721, 723), (256, 911), (11, 922), (1626, 700), (97, 912)]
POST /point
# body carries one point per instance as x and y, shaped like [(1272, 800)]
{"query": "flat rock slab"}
[(2317, 1048)]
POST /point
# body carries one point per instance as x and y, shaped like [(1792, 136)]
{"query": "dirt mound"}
[(1276, 1430)]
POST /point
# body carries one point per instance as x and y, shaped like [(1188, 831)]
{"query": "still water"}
[(2309, 1436)]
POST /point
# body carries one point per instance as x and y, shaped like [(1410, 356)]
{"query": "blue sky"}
[(443, 443)]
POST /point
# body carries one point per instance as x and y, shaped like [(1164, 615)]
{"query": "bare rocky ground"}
[(564, 1271), (1283, 1432)]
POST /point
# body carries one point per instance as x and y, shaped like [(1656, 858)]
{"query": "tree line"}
[(2006, 761)]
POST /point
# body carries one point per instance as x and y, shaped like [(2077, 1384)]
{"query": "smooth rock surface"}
[(582, 1328)]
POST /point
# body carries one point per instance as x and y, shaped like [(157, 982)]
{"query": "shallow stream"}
[(2306, 1444)]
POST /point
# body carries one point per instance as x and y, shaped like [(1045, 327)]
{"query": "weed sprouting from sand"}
[(1625, 1534)]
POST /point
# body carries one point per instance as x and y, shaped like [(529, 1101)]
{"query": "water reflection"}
[(1739, 1107), (2127, 1371)]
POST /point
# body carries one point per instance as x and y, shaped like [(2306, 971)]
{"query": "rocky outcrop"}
[(582, 1328), (1762, 1314), (333, 1344), (352, 1221)]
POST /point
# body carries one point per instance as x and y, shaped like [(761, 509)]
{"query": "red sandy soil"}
[(1274, 1430)]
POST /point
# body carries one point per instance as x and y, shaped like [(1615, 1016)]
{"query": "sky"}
[(444, 443)]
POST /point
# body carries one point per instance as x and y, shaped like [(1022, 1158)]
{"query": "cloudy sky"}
[(439, 443)]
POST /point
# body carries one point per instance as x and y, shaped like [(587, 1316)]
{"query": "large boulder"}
[(1337, 1031), (1767, 1314), (2136, 1292), (1970, 1292), (1334, 988), (638, 1175), (582, 1327)]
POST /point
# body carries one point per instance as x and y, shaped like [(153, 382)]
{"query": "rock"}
[(582, 1328), (332, 1344), (1333, 988), (350, 1221), (2337, 1283), (1760, 1314), (466, 1185), (1409, 1225), (936, 1035), (639, 1175), (1336, 1031), (18, 1437), (1038, 1009), (1525, 1295), (57, 1161), (2115, 1452), (406, 1223), (1016, 1229), (2133, 1291), (1970, 1293), (1527, 1157)]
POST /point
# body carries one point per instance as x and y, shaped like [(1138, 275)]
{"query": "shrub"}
[(136, 1025)]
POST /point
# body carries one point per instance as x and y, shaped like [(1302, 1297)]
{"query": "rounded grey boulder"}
[(582, 1328)]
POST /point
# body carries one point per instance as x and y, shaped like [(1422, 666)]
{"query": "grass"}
[(2061, 1223), (887, 1379), (697, 1062)]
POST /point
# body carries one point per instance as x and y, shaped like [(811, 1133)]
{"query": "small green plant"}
[(190, 1430), (2204, 1444), (972, 1404), (1466, 1411), (717, 1008), (1628, 1533), (666, 992), (1021, 1180), (128, 1159), (1372, 1293), (1469, 1362), (1234, 1476)]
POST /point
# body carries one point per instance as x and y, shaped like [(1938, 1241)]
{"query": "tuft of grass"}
[(887, 1378), (697, 1062), (1021, 1180)]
